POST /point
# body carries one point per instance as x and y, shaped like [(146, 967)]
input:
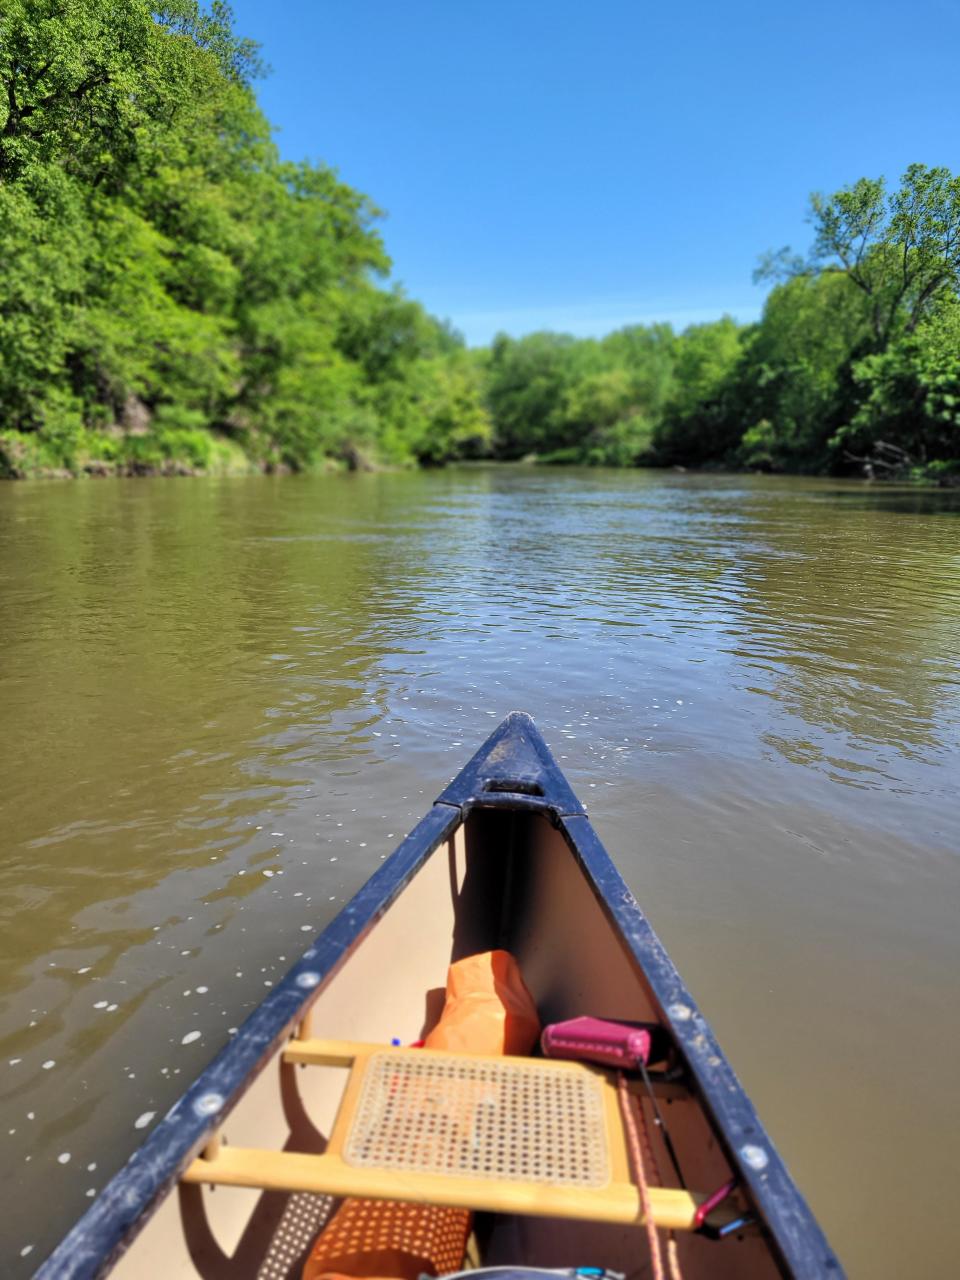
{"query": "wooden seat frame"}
[(330, 1174)]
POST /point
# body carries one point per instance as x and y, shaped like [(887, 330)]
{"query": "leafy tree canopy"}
[(902, 250), (162, 271)]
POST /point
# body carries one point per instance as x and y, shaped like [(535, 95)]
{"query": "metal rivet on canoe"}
[(208, 1104), (755, 1157), (308, 979)]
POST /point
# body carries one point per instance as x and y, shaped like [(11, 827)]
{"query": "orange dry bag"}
[(488, 1008)]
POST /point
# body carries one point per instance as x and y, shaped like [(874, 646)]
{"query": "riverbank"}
[(200, 453), (118, 454)]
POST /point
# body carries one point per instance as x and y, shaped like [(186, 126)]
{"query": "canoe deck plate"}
[(461, 1117)]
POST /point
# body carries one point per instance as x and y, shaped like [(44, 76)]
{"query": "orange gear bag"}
[(488, 1008)]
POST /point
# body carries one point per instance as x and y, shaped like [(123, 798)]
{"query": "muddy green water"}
[(223, 702)]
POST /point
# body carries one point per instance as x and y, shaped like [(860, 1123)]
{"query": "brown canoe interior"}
[(504, 879)]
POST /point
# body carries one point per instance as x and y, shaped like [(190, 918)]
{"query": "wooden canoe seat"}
[(505, 1134)]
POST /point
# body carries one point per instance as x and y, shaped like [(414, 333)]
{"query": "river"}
[(224, 702)]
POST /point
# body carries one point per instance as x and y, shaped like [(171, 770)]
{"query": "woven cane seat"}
[(515, 1121)]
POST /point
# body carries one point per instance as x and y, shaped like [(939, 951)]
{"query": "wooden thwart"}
[(615, 1201)]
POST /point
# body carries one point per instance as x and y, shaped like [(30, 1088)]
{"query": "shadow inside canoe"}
[(282, 1227)]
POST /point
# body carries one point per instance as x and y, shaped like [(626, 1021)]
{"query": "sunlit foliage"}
[(853, 368), (163, 274)]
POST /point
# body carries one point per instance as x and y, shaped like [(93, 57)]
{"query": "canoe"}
[(239, 1177)]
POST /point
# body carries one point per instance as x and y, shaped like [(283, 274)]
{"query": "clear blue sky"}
[(585, 165)]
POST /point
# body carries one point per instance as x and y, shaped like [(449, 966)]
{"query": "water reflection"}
[(853, 625)]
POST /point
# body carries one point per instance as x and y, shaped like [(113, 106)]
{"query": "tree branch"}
[(78, 93), (13, 113), (35, 80), (924, 297)]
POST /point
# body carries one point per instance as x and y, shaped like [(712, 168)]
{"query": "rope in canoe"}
[(673, 1257), (638, 1142), (636, 1155)]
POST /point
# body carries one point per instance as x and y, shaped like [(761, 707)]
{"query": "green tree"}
[(910, 411), (700, 423), (600, 412), (528, 382), (80, 83), (902, 252), (852, 376), (648, 354), (793, 386)]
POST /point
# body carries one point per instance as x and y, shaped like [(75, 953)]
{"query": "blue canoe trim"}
[(514, 769)]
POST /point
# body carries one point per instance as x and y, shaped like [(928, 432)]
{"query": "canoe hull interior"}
[(502, 879)]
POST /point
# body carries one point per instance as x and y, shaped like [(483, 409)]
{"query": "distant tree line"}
[(175, 297), (853, 368)]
